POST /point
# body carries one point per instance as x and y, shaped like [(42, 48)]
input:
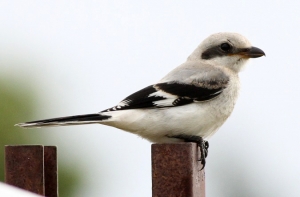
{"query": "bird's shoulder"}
[(198, 72)]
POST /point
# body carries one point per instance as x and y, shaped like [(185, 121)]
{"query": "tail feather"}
[(65, 121)]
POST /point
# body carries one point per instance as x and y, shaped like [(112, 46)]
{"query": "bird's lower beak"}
[(252, 52)]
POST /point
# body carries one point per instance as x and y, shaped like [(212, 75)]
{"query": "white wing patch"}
[(164, 103), (160, 93), (167, 102)]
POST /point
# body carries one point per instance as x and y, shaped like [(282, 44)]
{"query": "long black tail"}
[(66, 121)]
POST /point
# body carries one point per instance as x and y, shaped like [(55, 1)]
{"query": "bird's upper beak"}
[(252, 52)]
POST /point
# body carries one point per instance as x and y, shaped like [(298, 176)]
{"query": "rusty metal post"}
[(24, 167), (50, 171), (33, 168), (176, 171)]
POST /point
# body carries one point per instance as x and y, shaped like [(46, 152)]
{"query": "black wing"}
[(171, 94)]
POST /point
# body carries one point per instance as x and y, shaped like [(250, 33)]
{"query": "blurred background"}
[(61, 58)]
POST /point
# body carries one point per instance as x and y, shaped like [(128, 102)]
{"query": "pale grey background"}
[(85, 56)]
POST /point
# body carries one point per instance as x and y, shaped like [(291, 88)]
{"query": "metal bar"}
[(176, 171), (50, 170), (24, 167)]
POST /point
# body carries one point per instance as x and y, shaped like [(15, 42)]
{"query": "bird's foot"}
[(202, 144)]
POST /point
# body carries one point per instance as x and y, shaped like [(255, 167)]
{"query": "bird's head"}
[(231, 50)]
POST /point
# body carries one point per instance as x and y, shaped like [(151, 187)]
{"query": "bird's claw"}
[(202, 144)]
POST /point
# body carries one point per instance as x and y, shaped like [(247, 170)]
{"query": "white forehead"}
[(235, 39)]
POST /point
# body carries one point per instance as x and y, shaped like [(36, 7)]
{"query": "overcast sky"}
[(85, 56)]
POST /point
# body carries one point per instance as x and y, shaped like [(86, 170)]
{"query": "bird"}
[(189, 104)]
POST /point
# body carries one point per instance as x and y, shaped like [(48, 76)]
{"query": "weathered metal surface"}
[(24, 167), (176, 171), (50, 171)]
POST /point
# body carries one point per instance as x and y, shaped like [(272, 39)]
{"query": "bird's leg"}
[(203, 145)]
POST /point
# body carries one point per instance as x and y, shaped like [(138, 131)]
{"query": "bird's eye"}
[(225, 47)]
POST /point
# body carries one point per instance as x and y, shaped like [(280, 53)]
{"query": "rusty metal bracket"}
[(33, 168)]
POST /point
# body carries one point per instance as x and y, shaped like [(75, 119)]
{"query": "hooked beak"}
[(252, 52)]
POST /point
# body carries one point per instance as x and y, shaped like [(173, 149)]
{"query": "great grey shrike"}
[(188, 104)]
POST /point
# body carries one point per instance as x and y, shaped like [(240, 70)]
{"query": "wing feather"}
[(172, 94)]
